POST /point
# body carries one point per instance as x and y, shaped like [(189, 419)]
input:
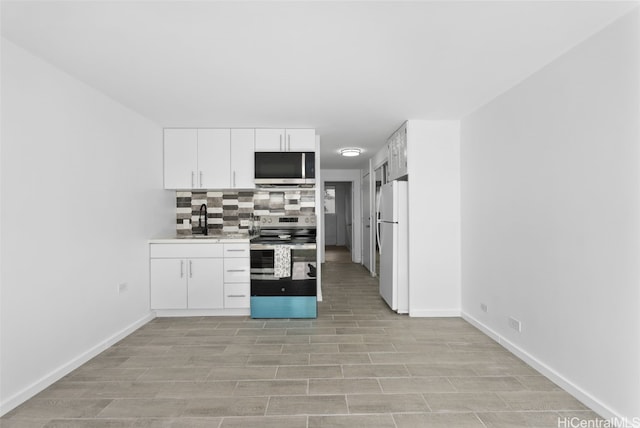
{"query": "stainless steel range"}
[(283, 268)]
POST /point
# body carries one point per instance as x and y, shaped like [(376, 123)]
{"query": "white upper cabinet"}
[(210, 158), (242, 159), (397, 153), (300, 140), (269, 140), (180, 158), (214, 152), (285, 140)]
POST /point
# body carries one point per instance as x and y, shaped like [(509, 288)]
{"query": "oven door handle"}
[(274, 246)]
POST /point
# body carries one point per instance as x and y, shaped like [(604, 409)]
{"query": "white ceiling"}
[(352, 70)]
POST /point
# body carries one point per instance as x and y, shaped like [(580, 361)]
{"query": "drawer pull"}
[(236, 295), (236, 270), (230, 250)]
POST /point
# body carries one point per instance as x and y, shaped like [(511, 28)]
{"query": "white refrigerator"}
[(393, 244)]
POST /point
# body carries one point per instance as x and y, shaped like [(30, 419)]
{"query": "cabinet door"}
[(180, 158), (214, 151), (395, 161), (270, 140), (168, 279), (242, 159), (206, 287), (402, 153), (300, 140)]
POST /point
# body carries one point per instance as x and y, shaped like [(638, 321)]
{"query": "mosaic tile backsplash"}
[(230, 212)]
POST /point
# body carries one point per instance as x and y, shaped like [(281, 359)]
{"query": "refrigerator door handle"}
[(378, 225)]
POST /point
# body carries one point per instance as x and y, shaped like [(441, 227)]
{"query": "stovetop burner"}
[(286, 230)]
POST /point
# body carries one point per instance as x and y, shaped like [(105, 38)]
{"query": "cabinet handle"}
[(181, 268), (193, 179), (190, 268), (234, 179), (200, 178), (235, 251), (236, 270), (289, 142), (236, 295)]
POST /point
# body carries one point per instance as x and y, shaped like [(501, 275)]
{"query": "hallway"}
[(337, 254), (359, 364)]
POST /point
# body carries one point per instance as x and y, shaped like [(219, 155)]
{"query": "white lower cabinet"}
[(237, 296), (168, 284), (199, 276), (236, 271), (204, 289), (237, 276), (187, 283)]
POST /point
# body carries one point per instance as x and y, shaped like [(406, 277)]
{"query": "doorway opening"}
[(338, 221)]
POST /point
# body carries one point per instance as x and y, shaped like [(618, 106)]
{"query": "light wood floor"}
[(357, 365), (337, 254)]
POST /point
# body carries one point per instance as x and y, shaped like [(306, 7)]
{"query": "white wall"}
[(550, 219), (434, 217), (81, 178), (352, 175)]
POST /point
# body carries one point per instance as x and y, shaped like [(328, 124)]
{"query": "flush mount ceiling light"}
[(350, 152)]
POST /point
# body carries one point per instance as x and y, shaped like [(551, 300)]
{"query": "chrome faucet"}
[(206, 229)]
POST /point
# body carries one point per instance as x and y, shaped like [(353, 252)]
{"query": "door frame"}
[(352, 176), (327, 221)]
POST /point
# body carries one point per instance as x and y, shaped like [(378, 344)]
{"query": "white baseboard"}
[(581, 395), (202, 312), (6, 405), (434, 313)]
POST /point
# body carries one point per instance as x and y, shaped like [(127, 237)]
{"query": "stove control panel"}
[(288, 221)]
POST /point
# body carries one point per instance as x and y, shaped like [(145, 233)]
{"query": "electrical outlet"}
[(515, 324), (122, 287), (483, 307)]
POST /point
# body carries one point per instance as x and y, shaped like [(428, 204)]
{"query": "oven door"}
[(302, 269)]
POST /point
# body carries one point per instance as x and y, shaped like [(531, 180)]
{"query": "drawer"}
[(236, 250), (237, 270), (237, 295), (185, 250)]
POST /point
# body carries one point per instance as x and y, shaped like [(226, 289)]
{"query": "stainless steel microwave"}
[(285, 168)]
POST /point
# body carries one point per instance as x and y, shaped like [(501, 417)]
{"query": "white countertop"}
[(201, 239)]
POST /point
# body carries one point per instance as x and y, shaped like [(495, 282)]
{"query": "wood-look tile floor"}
[(357, 365)]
